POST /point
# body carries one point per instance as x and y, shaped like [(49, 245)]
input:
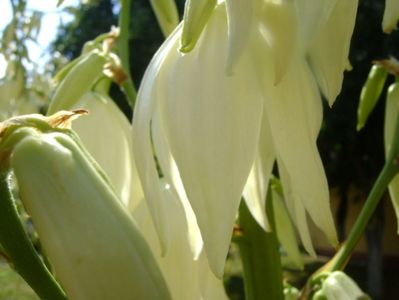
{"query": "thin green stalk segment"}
[(123, 50), (19, 248), (343, 254), (389, 171), (260, 258)]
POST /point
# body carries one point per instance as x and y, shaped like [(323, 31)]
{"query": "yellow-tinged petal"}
[(106, 133), (212, 123), (187, 277), (294, 111), (296, 209), (142, 145), (391, 15), (241, 22), (255, 191), (312, 15), (278, 26), (391, 115), (172, 175), (330, 49), (94, 246)]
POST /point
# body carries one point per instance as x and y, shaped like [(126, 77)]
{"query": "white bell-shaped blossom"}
[(244, 97)]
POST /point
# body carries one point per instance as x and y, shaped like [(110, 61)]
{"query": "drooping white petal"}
[(106, 133), (185, 275), (294, 110), (296, 209), (391, 15), (255, 191), (172, 175), (329, 52), (391, 115), (312, 15), (241, 19), (142, 146), (212, 122), (278, 26)]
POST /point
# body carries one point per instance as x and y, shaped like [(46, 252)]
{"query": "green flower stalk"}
[(167, 15), (94, 246)]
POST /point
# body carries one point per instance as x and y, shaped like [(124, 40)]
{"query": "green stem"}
[(260, 258), (19, 248), (344, 253), (123, 48), (389, 171)]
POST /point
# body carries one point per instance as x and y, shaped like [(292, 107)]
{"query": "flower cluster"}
[(245, 96)]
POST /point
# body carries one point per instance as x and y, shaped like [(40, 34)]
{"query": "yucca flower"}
[(245, 96), (93, 244)]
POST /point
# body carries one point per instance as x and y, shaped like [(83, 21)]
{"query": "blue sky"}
[(51, 19)]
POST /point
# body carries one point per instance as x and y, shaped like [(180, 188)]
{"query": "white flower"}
[(242, 98), (106, 133)]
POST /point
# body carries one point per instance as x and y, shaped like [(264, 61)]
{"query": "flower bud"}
[(370, 94), (338, 286), (78, 81), (93, 244)]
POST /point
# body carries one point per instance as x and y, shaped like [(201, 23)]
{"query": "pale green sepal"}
[(167, 15), (106, 125), (330, 49), (142, 144), (77, 82), (370, 94), (240, 19), (93, 244), (391, 16), (391, 115), (196, 16), (284, 230)]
